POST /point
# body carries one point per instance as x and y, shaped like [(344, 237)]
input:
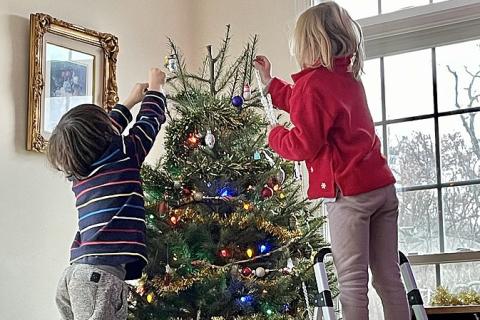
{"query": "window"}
[(430, 129), (422, 82), (369, 8)]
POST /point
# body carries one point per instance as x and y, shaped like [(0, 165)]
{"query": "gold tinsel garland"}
[(443, 297), (183, 283), (243, 221)]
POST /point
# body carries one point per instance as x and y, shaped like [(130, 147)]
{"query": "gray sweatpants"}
[(364, 232), (86, 292)]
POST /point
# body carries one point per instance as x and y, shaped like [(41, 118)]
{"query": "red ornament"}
[(162, 207), (193, 140), (266, 193), (167, 279), (224, 253), (186, 192), (246, 271)]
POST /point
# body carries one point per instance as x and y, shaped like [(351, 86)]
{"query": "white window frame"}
[(417, 28)]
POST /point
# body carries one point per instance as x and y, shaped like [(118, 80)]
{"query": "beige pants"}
[(364, 233)]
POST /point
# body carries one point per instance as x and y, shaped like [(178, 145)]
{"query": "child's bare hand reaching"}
[(156, 79), (263, 65), (136, 95)]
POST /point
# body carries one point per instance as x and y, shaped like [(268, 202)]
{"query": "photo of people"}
[(68, 79)]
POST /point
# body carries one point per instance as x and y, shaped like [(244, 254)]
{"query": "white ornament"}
[(210, 139), (298, 171), (260, 272), (266, 101), (168, 269), (247, 92), (290, 263)]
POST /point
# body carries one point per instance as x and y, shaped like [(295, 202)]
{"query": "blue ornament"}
[(264, 248), (237, 101), (227, 192), (248, 299), (257, 155)]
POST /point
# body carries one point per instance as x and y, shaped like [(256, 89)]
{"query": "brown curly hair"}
[(80, 138)]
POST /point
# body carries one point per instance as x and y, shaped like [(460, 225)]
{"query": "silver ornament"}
[(171, 63), (210, 139), (281, 176), (177, 184), (198, 196), (260, 272), (168, 269)]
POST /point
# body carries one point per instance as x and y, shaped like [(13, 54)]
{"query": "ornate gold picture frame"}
[(69, 65)]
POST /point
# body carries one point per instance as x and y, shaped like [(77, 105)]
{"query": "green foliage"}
[(187, 277)]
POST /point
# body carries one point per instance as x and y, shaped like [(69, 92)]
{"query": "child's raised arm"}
[(149, 119), (120, 114)]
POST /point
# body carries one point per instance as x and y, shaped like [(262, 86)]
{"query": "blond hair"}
[(324, 32)]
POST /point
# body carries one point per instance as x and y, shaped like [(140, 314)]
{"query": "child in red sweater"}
[(335, 135)]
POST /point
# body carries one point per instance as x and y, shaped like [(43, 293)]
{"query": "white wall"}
[(37, 216), (272, 20)]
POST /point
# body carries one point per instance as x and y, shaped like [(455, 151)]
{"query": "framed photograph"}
[(69, 65)]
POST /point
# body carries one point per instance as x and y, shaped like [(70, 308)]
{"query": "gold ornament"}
[(198, 196), (150, 297)]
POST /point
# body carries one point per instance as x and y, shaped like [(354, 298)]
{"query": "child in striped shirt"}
[(104, 165)]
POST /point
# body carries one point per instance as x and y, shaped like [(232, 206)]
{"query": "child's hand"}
[(263, 65), (156, 79), (136, 95)]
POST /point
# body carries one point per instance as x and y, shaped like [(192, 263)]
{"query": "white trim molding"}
[(421, 27)]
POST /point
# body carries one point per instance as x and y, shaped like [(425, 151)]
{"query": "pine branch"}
[(180, 66), (252, 57), (221, 57)]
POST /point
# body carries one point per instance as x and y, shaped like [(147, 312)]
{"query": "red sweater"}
[(334, 132)]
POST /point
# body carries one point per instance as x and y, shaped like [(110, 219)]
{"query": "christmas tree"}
[(230, 235)]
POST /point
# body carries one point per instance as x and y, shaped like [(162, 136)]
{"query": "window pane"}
[(461, 207), (457, 76), (418, 222), (460, 149), (408, 84), (373, 88), (359, 9), (461, 276), (426, 282), (411, 152), (394, 5)]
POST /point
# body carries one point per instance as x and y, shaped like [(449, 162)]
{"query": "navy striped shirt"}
[(111, 213)]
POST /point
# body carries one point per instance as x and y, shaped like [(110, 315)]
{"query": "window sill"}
[(443, 258)]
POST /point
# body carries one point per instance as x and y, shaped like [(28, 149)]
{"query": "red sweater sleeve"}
[(309, 135), (280, 92)]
